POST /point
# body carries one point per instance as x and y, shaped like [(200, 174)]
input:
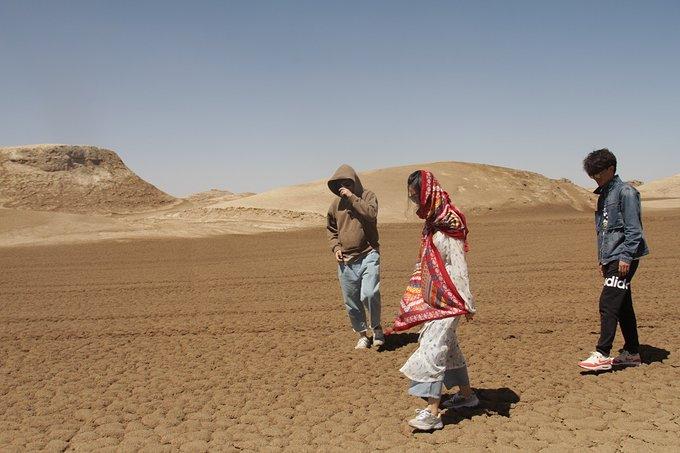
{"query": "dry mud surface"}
[(241, 343)]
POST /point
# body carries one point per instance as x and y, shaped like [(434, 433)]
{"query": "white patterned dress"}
[(438, 359)]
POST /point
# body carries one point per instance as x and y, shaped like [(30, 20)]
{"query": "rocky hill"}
[(76, 179)]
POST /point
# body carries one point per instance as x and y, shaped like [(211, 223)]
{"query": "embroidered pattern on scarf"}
[(430, 293)]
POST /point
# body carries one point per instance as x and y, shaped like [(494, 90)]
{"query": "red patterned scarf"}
[(431, 294)]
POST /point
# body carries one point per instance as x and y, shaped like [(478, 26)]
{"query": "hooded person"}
[(352, 225)]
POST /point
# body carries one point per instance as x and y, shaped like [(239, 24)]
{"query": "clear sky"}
[(253, 95)]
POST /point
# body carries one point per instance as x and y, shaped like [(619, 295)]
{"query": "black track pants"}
[(616, 306)]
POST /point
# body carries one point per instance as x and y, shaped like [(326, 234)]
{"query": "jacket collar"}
[(615, 180)]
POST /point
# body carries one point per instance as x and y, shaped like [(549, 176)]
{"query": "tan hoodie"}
[(352, 222)]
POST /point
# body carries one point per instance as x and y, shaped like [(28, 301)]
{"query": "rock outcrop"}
[(76, 179)]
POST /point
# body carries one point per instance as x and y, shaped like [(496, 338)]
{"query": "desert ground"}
[(241, 342)]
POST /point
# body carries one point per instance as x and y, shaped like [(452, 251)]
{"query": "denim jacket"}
[(618, 223)]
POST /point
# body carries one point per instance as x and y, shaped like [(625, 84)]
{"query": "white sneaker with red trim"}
[(596, 362)]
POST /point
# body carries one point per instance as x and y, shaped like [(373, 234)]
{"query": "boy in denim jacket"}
[(620, 244)]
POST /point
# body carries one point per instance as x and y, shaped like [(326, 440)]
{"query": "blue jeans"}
[(456, 376), (360, 284)]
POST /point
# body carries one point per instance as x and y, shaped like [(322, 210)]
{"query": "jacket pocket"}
[(612, 239)]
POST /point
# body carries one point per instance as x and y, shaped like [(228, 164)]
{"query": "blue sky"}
[(253, 95)]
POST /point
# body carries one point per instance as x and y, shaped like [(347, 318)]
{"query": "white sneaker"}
[(458, 400), (363, 343), (596, 362), (425, 421), (625, 358)]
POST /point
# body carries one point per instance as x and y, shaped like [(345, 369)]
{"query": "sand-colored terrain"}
[(474, 187), (54, 194), (661, 193), (215, 196), (662, 188), (241, 343), (130, 322), (185, 220), (71, 178)]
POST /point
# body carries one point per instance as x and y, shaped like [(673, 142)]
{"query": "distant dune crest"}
[(474, 187), (216, 195), (76, 179), (662, 188), (66, 193)]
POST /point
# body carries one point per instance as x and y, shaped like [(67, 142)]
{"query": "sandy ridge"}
[(71, 178)]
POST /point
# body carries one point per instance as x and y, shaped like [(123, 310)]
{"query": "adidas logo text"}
[(616, 282)]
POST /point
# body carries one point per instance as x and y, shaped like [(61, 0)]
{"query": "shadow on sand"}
[(491, 402), (395, 341), (648, 354)]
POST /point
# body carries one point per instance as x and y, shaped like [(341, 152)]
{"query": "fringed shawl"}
[(431, 294)]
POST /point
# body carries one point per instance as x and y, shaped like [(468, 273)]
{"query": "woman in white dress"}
[(437, 296)]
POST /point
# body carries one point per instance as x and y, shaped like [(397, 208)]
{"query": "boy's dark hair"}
[(414, 181), (599, 160)]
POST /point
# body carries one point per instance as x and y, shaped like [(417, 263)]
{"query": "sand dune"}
[(63, 194), (661, 193), (474, 187), (214, 196), (98, 197), (662, 188), (69, 178)]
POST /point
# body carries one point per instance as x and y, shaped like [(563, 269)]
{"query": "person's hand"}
[(623, 268), (601, 270), (345, 192), (338, 255), (469, 316)]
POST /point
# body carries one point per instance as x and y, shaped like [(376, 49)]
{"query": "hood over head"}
[(345, 172)]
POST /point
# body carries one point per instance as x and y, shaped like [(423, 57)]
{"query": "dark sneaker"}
[(627, 359), (425, 421), (458, 401), (596, 362), (378, 337)]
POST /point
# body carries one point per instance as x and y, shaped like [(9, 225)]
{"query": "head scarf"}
[(436, 209), (431, 294)]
